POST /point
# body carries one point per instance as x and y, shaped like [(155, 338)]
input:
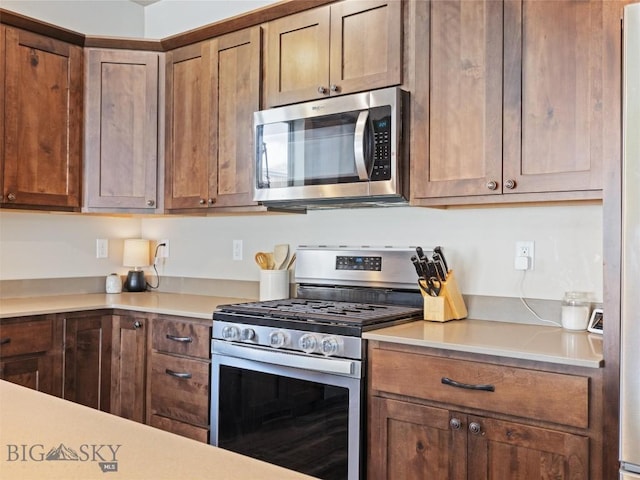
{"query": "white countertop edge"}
[(469, 348)]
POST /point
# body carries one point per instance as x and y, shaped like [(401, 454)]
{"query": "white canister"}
[(274, 284), (575, 310), (113, 283)]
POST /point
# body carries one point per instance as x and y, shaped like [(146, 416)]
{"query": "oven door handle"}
[(259, 354), (359, 145)]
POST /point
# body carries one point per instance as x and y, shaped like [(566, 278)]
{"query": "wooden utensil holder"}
[(448, 305)]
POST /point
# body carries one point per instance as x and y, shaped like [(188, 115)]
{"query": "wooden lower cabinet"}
[(421, 428), (128, 366), (31, 352), (179, 376), (87, 360)]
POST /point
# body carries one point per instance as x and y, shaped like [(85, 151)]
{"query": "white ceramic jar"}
[(113, 283), (575, 310)]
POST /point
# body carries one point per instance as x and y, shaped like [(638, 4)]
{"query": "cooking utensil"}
[(280, 255), (291, 261), (439, 251), (262, 259)]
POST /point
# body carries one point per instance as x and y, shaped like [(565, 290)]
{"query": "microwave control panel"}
[(381, 127)]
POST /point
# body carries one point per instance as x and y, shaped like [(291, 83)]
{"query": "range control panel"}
[(372, 264)]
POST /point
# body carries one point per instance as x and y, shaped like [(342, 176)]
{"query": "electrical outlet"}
[(102, 248), (163, 252), (237, 249), (524, 255)]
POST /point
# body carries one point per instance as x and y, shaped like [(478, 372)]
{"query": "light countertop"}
[(528, 342), (33, 424), (196, 306)]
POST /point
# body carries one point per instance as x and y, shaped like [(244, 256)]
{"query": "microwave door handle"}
[(359, 145)]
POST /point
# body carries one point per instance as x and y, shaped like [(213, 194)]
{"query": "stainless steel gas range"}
[(289, 376)]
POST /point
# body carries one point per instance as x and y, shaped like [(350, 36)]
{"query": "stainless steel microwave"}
[(340, 151)]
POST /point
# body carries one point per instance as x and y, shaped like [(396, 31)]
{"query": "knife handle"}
[(417, 266), (440, 253)]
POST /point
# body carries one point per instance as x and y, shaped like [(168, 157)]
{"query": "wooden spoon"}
[(280, 255), (262, 260)]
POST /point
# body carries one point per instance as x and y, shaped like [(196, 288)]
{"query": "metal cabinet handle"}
[(510, 184), (178, 374), (202, 201), (137, 324), (322, 90), (334, 87), (11, 197), (4, 341), (212, 201), (475, 428), (492, 185), (455, 423), (485, 387), (180, 339), (150, 203)]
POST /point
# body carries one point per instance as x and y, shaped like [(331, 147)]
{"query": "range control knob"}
[(308, 343), (248, 334), (278, 339), (330, 346), (231, 333)]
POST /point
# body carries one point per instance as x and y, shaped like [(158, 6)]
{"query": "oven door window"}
[(294, 423)]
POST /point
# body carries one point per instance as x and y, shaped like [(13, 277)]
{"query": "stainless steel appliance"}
[(288, 376), (342, 150), (630, 336)]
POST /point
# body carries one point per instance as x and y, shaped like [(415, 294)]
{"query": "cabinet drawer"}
[(26, 337), (183, 338), (180, 388), (545, 396), (179, 428)]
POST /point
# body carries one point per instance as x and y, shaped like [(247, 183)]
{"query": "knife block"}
[(448, 305)]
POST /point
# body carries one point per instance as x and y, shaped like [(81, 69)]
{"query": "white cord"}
[(524, 302)]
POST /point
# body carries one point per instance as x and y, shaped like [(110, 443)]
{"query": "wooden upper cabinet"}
[(346, 47), (513, 102), (213, 88), (121, 130), (42, 121)]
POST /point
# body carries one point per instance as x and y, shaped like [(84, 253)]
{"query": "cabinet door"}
[(35, 372), (87, 364), (553, 124), (128, 367), (500, 449), (42, 121), (236, 89), (190, 137), (121, 148), (457, 147), (411, 441), (297, 57), (366, 45)]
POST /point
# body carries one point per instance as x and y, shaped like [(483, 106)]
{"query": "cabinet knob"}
[(137, 324), (334, 87), (202, 201), (150, 203), (455, 423), (510, 184), (492, 185), (11, 197), (212, 201), (322, 90), (475, 428)]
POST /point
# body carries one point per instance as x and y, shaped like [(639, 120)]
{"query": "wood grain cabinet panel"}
[(121, 130), (42, 141), (212, 88), (508, 101), (343, 48), (87, 360)]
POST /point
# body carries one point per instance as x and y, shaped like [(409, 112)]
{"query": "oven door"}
[(304, 419)]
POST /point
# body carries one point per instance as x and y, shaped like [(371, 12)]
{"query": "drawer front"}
[(26, 337), (180, 388), (179, 428), (183, 338), (546, 396)]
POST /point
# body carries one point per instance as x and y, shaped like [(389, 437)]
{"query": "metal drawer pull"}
[(468, 386), (177, 374), (180, 339), (4, 341)]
